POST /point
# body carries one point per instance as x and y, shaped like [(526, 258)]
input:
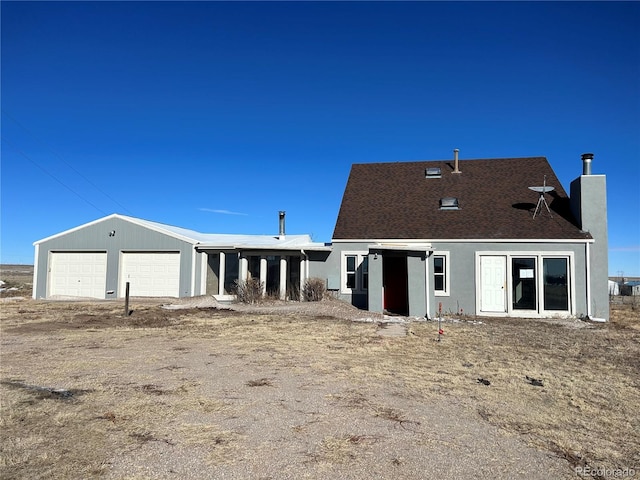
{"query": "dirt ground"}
[(291, 391)]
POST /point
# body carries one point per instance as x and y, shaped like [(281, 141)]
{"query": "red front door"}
[(394, 272)]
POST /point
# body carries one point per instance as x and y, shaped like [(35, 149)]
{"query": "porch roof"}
[(259, 242)]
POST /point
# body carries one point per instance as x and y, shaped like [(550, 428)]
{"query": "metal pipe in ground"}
[(440, 332)]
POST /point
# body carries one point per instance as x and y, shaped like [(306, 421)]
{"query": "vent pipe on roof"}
[(586, 163), (281, 214), (455, 161)]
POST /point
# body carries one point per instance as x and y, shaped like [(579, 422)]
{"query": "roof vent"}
[(449, 203), (455, 161), (433, 172)]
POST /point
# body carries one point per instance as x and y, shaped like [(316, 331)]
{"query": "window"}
[(355, 272), (351, 270), (556, 285), (440, 274), (523, 283)]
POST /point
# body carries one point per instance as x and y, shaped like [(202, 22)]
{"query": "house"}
[(98, 259), (490, 237), (471, 236)]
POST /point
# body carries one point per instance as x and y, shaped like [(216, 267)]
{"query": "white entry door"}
[(150, 274), (493, 274)]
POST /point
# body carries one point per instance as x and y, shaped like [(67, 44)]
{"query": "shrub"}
[(249, 291), (314, 290)]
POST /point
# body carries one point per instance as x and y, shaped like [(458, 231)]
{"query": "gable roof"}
[(210, 240), (396, 201)]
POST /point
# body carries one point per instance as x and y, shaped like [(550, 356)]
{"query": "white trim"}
[(447, 274), (75, 229), (377, 242), (136, 221), (359, 254), (204, 267), (402, 246), (192, 291)]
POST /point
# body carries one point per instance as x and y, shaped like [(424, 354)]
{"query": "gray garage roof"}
[(212, 240)]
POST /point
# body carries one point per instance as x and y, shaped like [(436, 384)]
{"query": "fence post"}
[(126, 300)]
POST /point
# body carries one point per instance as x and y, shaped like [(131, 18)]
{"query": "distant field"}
[(18, 280)]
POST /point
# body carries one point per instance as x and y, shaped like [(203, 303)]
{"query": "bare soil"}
[(304, 391)]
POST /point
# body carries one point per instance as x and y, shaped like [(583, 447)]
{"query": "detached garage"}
[(97, 259)]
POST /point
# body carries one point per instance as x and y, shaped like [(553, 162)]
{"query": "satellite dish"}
[(541, 200), (543, 189)]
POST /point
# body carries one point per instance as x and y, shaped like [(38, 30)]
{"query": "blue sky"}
[(214, 116)]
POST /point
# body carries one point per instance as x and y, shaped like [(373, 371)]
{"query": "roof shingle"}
[(396, 201)]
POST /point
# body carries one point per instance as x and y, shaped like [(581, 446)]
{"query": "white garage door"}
[(78, 274), (150, 274)]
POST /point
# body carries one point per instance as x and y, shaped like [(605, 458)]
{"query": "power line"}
[(52, 175), (125, 209)]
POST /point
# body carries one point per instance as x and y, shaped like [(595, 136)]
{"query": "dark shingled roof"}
[(396, 201)]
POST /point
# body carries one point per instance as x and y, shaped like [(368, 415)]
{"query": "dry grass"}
[(124, 398)]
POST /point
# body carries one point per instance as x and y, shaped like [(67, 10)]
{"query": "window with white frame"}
[(441, 273), (355, 272)]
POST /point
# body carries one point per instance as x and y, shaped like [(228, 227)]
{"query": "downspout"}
[(588, 263)]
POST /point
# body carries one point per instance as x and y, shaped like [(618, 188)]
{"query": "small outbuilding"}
[(614, 289)]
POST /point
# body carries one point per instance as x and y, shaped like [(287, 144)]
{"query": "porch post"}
[(263, 273), (303, 276), (243, 273), (283, 277), (222, 267)]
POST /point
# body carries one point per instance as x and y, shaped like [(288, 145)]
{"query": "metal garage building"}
[(97, 259)]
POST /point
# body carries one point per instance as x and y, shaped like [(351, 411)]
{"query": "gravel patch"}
[(298, 424)]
